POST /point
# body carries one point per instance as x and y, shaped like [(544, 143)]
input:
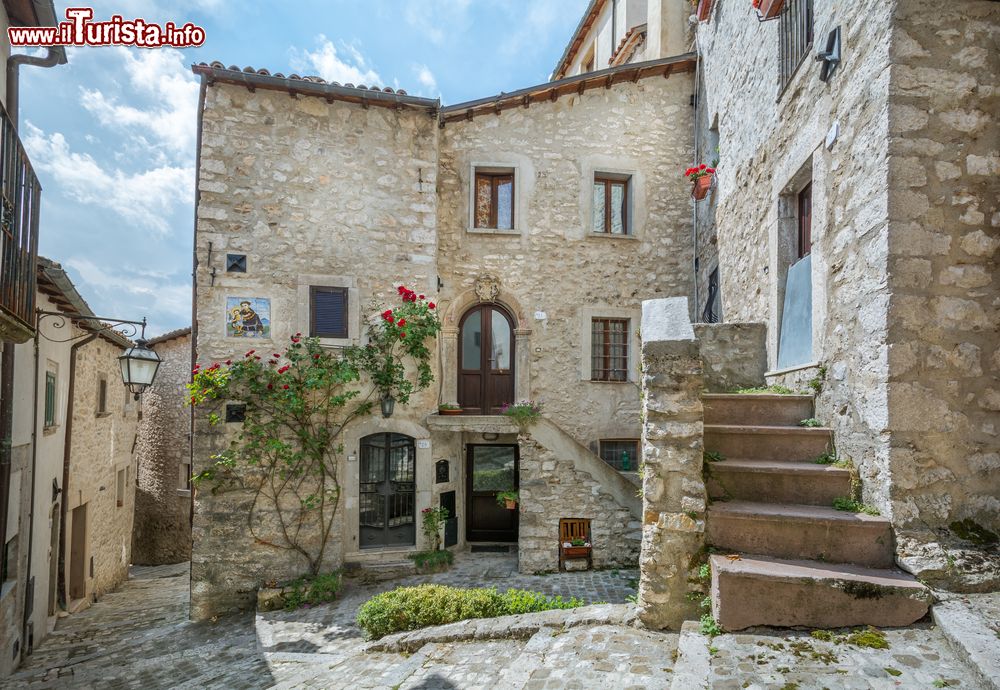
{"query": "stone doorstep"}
[(763, 409), (757, 590), (972, 638), (521, 626), (776, 481), (792, 443), (801, 531)]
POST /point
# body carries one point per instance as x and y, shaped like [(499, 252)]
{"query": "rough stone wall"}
[(102, 447), (552, 488), (733, 355), (770, 148), (944, 232), (314, 193), (556, 271), (673, 489), (162, 532)]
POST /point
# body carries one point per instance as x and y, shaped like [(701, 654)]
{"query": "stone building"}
[(542, 220), (162, 532), (72, 477)]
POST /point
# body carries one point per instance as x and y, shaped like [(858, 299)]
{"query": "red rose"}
[(269, 386), (401, 323), (315, 356), (285, 386), (229, 361), (430, 305), (402, 334), (421, 297), (401, 289)]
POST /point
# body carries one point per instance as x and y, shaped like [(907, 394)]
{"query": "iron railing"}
[(19, 205), (795, 31)]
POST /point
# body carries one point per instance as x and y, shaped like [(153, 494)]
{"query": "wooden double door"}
[(485, 360)]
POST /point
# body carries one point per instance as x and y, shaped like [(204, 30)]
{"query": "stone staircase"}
[(784, 556)]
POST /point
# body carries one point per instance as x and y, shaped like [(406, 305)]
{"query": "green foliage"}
[(970, 530), (849, 505), (410, 608), (297, 404), (710, 626), (816, 383), (811, 422), (433, 521), (824, 635), (775, 389), (713, 456), (523, 413), (868, 637), (312, 590), (449, 406), (705, 572), (432, 561), (504, 496)]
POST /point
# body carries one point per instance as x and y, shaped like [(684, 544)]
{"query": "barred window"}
[(609, 350), (621, 453), (795, 32)]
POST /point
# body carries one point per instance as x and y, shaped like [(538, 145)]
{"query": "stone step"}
[(793, 443), (762, 409), (777, 481), (787, 530), (758, 590), (379, 571)]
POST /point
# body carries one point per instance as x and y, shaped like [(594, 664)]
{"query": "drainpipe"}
[(697, 160), (56, 55), (67, 447)]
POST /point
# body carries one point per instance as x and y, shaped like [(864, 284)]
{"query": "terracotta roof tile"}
[(295, 77)]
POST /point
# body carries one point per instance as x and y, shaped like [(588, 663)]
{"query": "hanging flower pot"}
[(768, 9), (701, 177)]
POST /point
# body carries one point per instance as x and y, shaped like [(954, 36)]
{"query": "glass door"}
[(387, 491), (490, 469)]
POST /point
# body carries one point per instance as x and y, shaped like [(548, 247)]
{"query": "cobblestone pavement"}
[(139, 637)]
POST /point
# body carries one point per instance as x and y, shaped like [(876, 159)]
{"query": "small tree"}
[(298, 403)]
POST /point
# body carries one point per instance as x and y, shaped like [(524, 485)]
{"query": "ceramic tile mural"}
[(248, 317)]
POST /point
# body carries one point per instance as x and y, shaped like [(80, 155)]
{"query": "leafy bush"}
[(523, 413), (319, 589), (410, 608), (775, 388), (432, 561)]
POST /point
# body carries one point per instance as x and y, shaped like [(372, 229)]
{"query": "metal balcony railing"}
[(20, 194)]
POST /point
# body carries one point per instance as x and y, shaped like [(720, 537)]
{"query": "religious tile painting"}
[(248, 317)]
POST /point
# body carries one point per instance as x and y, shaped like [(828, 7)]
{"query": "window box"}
[(768, 9), (576, 551)]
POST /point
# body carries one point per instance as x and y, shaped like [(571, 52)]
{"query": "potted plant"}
[(768, 9), (701, 177), (576, 548), (448, 409), (507, 499)]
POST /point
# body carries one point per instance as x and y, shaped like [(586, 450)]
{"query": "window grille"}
[(795, 32)]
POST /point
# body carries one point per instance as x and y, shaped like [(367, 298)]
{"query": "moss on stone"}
[(971, 531)]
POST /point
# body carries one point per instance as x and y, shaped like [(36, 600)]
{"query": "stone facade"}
[(733, 355), (162, 531), (332, 193), (901, 152), (101, 487)]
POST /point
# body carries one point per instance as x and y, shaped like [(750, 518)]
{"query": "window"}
[(609, 350), (120, 488), (611, 205), (494, 206), (805, 220), (588, 62), (795, 35), (102, 396), (236, 413), (236, 263), (711, 313), (621, 453), (328, 312), (50, 398)]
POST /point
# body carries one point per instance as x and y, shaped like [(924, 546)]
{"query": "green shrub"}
[(319, 589), (410, 608), (432, 561)]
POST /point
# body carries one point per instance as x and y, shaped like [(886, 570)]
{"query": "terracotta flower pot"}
[(446, 412), (701, 186), (511, 505), (769, 9), (704, 9)]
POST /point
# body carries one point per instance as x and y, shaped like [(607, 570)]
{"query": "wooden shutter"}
[(328, 312)]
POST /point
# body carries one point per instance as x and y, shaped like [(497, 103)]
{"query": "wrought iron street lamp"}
[(139, 365)]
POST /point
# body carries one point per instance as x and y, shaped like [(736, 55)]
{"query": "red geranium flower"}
[(702, 166)]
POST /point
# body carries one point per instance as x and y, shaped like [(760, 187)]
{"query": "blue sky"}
[(112, 134)]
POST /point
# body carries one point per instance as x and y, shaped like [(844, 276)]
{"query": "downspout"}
[(697, 161), (56, 55), (67, 448)]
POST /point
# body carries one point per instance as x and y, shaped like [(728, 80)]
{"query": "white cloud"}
[(437, 19), (160, 78), (327, 62), (426, 79), (167, 302), (143, 198)]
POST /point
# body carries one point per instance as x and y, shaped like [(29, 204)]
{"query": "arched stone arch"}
[(471, 297)]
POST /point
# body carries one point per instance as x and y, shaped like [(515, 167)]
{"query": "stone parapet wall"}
[(733, 355), (674, 499)]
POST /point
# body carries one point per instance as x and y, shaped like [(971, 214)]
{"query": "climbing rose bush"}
[(298, 402)]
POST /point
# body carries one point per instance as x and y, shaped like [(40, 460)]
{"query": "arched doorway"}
[(387, 491), (485, 360)]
